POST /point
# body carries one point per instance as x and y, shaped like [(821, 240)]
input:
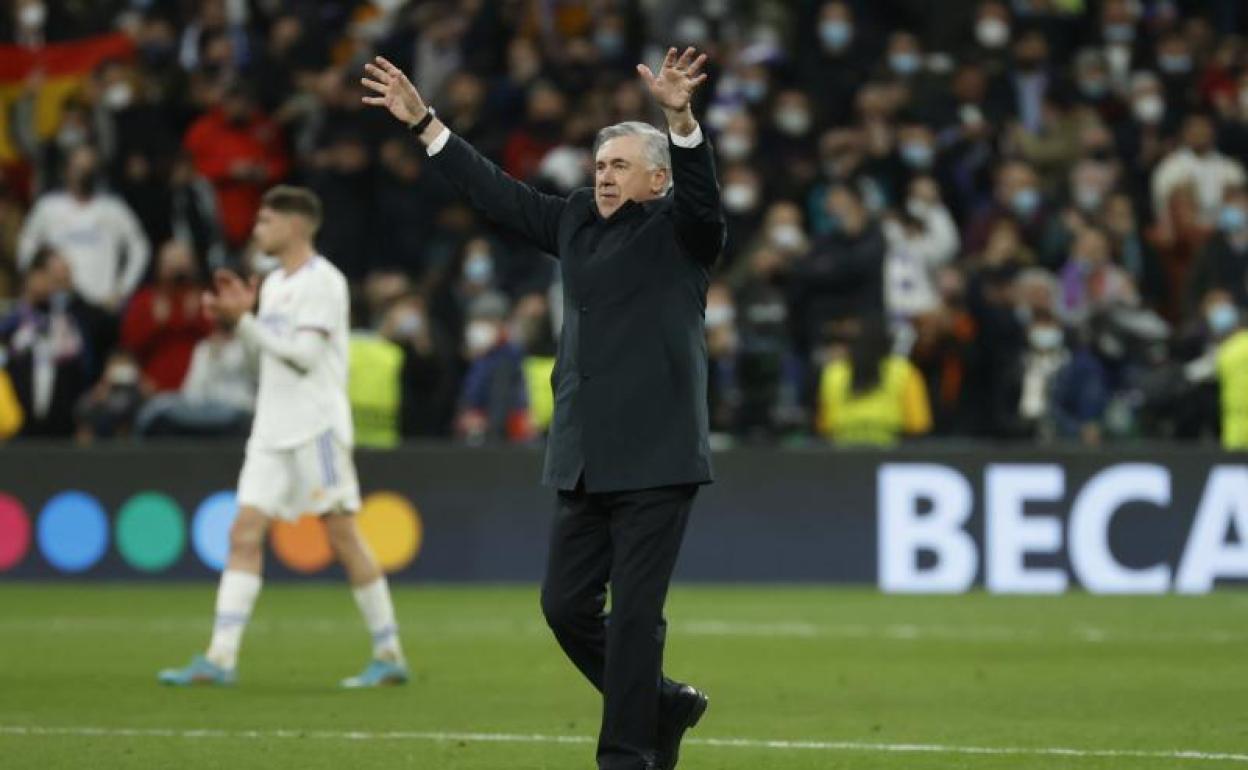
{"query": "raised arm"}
[(491, 191), (700, 221)]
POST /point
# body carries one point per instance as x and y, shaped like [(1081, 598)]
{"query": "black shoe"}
[(684, 712)]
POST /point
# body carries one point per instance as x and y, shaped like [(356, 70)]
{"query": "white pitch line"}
[(734, 743), (780, 629)]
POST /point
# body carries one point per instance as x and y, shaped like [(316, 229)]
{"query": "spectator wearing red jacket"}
[(240, 151), (164, 321)]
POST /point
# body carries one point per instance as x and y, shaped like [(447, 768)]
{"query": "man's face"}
[(622, 174), (1198, 134), (276, 231)]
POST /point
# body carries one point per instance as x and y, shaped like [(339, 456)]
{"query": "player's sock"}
[(236, 595), (378, 611)]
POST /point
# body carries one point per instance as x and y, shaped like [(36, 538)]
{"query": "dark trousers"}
[(629, 540)]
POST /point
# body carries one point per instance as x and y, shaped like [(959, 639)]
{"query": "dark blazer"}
[(630, 375)]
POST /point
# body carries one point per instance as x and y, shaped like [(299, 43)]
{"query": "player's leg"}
[(263, 487), (326, 469), (368, 585), (239, 586)]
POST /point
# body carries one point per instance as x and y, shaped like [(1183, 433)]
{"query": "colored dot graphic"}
[(14, 532), (150, 532), (73, 531), (210, 530), (393, 529), (302, 545)]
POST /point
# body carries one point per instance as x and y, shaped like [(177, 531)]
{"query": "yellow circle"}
[(391, 525)]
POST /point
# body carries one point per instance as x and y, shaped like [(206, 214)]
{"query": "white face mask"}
[(719, 315), (480, 336), (1149, 109), (118, 96), (793, 121), (33, 16), (1045, 338), (735, 146), (740, 198), (787, 237), (992, 33)]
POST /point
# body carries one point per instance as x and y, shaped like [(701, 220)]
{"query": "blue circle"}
[(73, 531), (210, 532)]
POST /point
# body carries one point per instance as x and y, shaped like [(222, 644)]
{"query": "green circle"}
[(151, 532)]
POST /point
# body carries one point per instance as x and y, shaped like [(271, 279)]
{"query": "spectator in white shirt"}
[(1196, 164), (96, 232)]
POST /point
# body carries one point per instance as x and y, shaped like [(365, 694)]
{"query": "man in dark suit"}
[(628, 446)]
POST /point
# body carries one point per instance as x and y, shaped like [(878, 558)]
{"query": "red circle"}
[(14, 532)]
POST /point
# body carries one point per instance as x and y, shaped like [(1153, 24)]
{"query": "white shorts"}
[(314, 478)]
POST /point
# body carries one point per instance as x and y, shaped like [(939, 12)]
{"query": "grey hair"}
[(654, 144)]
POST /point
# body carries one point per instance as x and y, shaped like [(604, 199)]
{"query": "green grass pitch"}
[(798, 678)]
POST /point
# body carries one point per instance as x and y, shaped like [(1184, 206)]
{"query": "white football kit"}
[(299, 455)]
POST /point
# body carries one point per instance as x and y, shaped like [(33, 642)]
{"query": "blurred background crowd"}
[(1008, 219)]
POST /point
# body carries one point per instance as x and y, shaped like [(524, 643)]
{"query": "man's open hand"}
[(393, 90), (678, 78)]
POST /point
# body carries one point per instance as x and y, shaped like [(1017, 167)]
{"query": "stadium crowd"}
[(1007, 219)]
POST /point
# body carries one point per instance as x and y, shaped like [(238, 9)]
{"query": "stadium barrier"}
[(1148, 520)]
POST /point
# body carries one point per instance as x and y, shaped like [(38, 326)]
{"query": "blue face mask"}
[(835, 35), (1026, 202), (1119, 33), (917, 154), (1222, 318), (478, 270), (1094, 89), (753, 91), (1175, 65), (904, 63), (610, 44), (1232, 219)]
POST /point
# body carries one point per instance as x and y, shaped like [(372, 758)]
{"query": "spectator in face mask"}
[(45, 349), (843, 276), (96, 233), (109, 409), (1223, 264), (787, 141), (1018, 198), (1175, 65), (473, 273), (1063, 390), (1232, 373), (722, 344), (838, 62), (992, 32), (164, 322), (493, 400), (742, 194), (768, 375), (241, 152), (429, 376), (1087, 187)]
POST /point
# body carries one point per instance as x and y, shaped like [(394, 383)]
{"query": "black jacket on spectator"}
[(1219, 266), (630, 376), (843, 277)]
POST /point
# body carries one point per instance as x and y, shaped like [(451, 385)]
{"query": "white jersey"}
[(294, 407)]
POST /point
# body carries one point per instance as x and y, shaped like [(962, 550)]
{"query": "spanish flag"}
[(63, 67)]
